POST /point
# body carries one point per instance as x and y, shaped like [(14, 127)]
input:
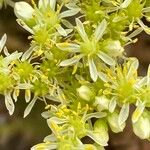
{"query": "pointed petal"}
[(29, 107), (145, 28), (61, 30), (125, 4), (124, 113), (71, 61), (133, 68), (138, 112), (93, 69), (3, 41), (112, 105), (100, 30), (81, 30), (107, 59), (69, 13)]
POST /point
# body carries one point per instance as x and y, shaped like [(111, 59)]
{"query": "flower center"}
[(89, 47)]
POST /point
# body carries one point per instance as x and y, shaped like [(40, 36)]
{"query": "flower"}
[(44, 22), (89, 48)]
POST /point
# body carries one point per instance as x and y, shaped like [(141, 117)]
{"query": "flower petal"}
[(23, 10), (93, 69), (124, 113), (3, 41), (138, 112), (81, 30), (107, 59), (125, 4), (71, 61), (100, 30), (29, 107), (69, 13), (70, 47)]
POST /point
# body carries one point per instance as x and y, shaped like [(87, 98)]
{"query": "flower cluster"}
[(77, 60)]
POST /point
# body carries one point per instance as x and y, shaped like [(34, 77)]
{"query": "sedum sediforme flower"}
[(143, 93), (142, 127), (89, 49), (120, 83), (44, 22)]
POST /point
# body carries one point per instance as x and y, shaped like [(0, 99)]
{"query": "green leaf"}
[(107, 59), (100, 30), (71, 61), (81, 30), (3, 41), (124, 113), (29, 107), (93, 69)]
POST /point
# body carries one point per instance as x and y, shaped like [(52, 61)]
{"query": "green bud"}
[(142, 127), (102, 102), (86, 93), (113, 123), (23, 10)]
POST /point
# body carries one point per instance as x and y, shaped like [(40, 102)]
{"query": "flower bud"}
[(102, 102), (23, 10), (142, 127), (86, 93), (113, 123)]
